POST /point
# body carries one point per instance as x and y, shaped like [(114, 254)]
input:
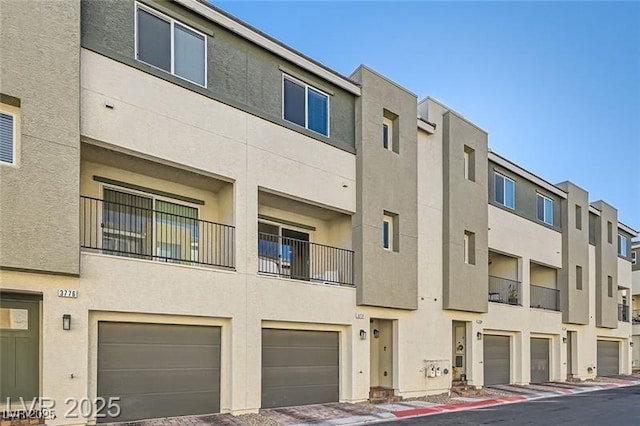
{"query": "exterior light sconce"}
[(376, 333), (66, 322), (631, 344), (564, 340), (363, 335), (479, 335)]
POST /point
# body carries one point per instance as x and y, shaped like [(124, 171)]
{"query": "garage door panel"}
[(299, 367), (155, 356), (127, 382), (303, 395), (300, 375), (299, 356), (497, 360), (539, 360), (168, 405), (159, 370), (301, 338), (141, 333), (608, 358)]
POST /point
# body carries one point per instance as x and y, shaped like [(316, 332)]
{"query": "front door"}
[(459, 351), (381, 353), (19, 348)]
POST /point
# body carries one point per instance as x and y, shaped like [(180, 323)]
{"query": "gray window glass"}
[(189, 54), (154, 40), (294, 108), (6, 138), (318, 118), (499, 188)]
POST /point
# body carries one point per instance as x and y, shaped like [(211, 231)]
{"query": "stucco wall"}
[(606, 263), (40, 47)]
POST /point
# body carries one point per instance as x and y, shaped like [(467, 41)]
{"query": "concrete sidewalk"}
[(339, 414)]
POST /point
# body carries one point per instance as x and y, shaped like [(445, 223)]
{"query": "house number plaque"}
[(73, 294)]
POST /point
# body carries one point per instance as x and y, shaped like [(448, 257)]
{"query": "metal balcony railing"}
[(125, 230), (302, 260), (623, 312), (635, 316), (502, 290), (544, 298)]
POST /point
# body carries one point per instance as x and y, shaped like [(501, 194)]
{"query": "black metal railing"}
[(502, 290), (635, 316), (130, 231), (623, 312), (544, 298), (303, 260)]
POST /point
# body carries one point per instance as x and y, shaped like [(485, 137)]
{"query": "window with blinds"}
[(7, 138)]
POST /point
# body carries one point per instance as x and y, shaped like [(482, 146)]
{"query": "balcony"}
[(300, 259), (502, 290), (169, 233), (623, 312), (544, 298)]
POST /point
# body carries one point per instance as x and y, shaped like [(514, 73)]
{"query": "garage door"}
[(497, 360), (299, 367), (608, 358), (159, 370), (539, 360)]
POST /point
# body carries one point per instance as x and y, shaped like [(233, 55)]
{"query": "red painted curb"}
[(454, 407)]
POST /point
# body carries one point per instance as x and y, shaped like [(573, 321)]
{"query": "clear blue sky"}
[(556, 85)]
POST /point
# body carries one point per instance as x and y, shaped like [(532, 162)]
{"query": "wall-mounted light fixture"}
[(66, 322), (564, 340), (631, 344), (376, 333), (479, 335), (363, 335)]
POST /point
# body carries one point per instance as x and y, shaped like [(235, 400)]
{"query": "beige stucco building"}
[(195, 218)]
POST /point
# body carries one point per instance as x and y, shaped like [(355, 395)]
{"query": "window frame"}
[(14, 136), (306, 87), (388, 221), (626, 252), (544, 210), (634, 257), (172, 22), (153, 198), (388, 123), (504, 191)]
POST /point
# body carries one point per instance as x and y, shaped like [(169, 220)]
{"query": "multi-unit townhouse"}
[(196, 218), (635, 300)]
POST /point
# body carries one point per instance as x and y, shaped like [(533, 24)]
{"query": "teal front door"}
[(19, 348)]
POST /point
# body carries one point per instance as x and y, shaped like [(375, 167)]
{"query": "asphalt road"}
[(620, 406)]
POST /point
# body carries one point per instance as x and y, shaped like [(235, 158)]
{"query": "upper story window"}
[(387, 232), (305, 105), (170, 45), (8, 138), (505, 191), (622, 245), (633, 258), (544, 209), (387, 133), (469, 156)]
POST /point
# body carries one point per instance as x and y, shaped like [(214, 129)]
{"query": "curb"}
[(447, 408)]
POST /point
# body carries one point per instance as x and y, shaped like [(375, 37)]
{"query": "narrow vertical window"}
[(469, 155), (386, 134), (390, 140), (387, 232), (578, 217), (7, 138), (633, 257), (469, 247), (610, 232), (610, 286), (579, 277)]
